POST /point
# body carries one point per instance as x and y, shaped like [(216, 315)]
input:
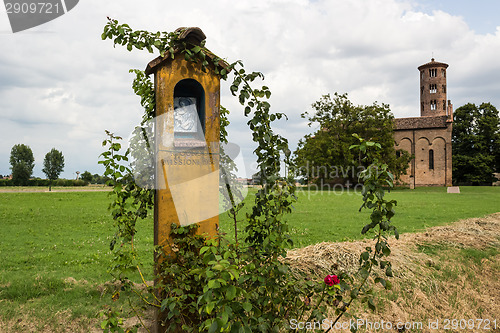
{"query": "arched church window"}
[(431, 159)]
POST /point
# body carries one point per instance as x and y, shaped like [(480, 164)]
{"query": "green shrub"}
[(80, 182), (6, 182), (38, 182)]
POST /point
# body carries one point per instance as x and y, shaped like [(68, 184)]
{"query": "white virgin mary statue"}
[(185, 115)]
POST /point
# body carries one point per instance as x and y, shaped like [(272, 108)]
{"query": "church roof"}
[(433, 63), (421, 122)]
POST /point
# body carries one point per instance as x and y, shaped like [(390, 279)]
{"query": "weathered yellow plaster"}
[(194, 167)]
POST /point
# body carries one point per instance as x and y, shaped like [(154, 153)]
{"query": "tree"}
[(22, 163), (476, 144), (53, 165), (86, 176), (325, 157), (98, 179)]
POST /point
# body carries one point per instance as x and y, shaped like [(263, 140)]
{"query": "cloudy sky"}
[(61, 86)]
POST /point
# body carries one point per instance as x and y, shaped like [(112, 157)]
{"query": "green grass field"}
[(326, 216), (49, 237)]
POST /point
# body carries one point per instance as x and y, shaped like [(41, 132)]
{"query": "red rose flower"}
[(330, 280)]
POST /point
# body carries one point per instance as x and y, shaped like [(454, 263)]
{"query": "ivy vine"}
[(246, 285)]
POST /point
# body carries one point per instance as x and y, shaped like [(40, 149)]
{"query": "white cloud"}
[(61, 86)]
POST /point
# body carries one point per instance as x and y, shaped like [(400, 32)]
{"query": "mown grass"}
[(332, 216), (49, 237)]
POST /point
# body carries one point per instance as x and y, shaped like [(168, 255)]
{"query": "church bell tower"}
[(433, 100)]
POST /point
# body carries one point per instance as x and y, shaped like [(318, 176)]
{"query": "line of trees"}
[(22, 163), (325, 157), (93, 178)]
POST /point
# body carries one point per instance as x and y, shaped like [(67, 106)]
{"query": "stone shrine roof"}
[(190, 35)]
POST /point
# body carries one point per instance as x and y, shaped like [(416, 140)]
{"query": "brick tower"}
[(433, 100), (428, 137)]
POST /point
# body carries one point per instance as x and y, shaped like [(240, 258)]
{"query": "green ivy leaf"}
[(381, 281), (213, 284), (218, 267), (371, 305), (388, 271), (388, 285), (230, 292), (214, 327), (247, 306)]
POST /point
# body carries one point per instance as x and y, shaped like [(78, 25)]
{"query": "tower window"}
[(443, 73), (444, 88), (421, 74), (433, 105), (422, 106), (444, 105), (431, 159), (432, 72), (433, 88)]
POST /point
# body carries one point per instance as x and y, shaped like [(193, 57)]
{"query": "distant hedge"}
[(45, 182)]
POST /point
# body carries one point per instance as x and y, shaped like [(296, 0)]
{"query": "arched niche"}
[(189, 110)]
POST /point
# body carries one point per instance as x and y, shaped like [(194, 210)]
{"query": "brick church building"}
[(428, 137)]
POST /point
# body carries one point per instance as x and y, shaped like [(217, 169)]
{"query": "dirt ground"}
[(426, 287), (55, 189), (430, 288)]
